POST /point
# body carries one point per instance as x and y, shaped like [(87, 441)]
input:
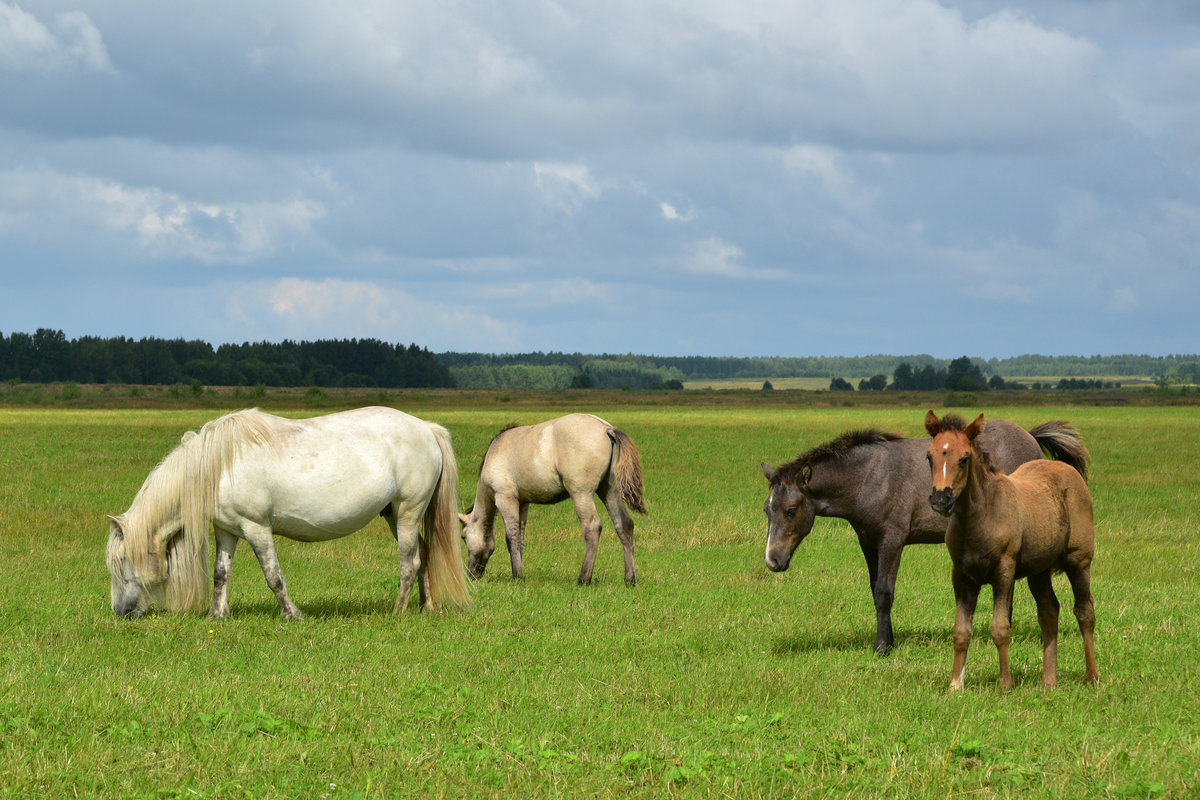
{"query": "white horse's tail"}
[(626, 468), (447, 578)]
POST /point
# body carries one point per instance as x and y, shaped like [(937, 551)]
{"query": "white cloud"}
[(670, 212), (566, 187), (715, 258), (157, 223), (26, 43)]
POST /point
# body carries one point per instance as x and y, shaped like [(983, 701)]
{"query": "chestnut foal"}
[(1007, 527)]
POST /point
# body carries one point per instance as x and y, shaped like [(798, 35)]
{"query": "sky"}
[(687, 177)]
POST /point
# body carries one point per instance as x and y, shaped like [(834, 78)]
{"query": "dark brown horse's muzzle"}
[(942, 501)]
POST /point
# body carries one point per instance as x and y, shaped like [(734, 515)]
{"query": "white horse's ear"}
[(464, 519), (114, 526), (187, 437)]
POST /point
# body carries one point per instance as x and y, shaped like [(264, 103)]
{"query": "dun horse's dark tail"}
[(626, 469), (1064, 443)]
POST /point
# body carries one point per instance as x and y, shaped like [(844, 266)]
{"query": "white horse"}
[(574, 456), (253, 476)]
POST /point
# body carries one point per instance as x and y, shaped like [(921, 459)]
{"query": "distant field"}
[(821, 384), (712, 678)]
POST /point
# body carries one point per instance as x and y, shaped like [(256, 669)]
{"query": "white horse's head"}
[(138, 578), (477, 533)]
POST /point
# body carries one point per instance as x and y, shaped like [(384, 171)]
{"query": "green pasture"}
[(711, 678)]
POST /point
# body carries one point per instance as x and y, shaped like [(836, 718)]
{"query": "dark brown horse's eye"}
[(791, 512)]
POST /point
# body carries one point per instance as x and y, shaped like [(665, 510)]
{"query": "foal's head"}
[(950, 455)]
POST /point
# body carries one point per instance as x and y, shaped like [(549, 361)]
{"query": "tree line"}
[(965, 375), (48, 356)]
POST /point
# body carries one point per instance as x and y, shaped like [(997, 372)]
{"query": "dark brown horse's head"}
[(950, 455), (790, 514)]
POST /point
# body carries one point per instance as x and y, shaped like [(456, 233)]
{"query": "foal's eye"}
[(962, 462)]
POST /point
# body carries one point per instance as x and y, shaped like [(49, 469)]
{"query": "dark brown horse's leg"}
[(1085, 613), (1002, 597), (966, 595), (1042, 588), (884, 590)]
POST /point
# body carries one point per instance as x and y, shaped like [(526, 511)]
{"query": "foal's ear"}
[(975, 428), (931, 423), (768, 472)]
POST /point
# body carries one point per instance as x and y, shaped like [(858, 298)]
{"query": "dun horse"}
[(575, 456), (1007, 527), (878, 483), (254, 476)]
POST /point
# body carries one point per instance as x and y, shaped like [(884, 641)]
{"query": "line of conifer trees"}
[(48, 356)]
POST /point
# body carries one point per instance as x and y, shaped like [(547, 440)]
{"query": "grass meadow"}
[(712, 678)]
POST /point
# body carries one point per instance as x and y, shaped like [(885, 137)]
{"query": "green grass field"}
[(713, 677)]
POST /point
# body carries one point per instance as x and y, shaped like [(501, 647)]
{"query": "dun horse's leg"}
[(1002, 596), (262, 542), (222, 570), (1042, 588), (512, 511), (624, 526), (966, 596), (589, 520), (1085, 614)]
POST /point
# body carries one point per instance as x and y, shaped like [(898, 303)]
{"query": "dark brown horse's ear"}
[(931, 423), (805, 474), (975, 428), (768, 472)]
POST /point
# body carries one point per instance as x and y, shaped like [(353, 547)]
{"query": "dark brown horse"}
[(879, 484), (1007, 527)]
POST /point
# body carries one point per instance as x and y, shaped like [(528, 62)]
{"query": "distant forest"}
[(48, 356)]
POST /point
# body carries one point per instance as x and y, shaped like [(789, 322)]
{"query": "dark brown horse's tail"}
[(626, 469), (1064, 443)]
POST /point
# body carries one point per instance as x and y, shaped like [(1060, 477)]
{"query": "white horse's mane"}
[(183, 488)]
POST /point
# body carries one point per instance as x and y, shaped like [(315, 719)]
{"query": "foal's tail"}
[(447, 578), (626, 469), (1064, 443)]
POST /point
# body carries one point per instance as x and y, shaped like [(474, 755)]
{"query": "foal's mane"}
[(834, 450), (955, 423), (184, 487)]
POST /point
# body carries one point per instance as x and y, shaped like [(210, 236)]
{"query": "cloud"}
[(715, 258), (566, 187), (670, 212), (27, 44), (338, 308), (157, 224)]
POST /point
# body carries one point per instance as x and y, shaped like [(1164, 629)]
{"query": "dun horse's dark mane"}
[(502, 431), (835, 450)]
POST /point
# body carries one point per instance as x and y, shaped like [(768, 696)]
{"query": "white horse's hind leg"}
[(262, 542), (405, 525), (222, 570), (589, 520)]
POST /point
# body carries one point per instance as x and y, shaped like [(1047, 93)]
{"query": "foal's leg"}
[(1002, 598), (1042, 588), (966, 595), (513, 511), (1085, 614), (589, 520), (624, 525), (222, 570), (262, 542)]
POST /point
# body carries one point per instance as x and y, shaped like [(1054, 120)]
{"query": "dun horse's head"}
[(790, 516), (477, 533), (949, 457), (138, 578)]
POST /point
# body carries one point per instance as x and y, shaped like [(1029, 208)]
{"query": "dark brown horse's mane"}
[(793, 471), (503, 430)]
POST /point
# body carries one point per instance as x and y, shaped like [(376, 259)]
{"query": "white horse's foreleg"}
[(589, 520), (262, 542), (222, 571)]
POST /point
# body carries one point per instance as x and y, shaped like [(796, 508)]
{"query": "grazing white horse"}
[(254, 476), (574, 456)]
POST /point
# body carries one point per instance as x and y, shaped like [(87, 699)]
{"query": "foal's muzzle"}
[(942, 501)]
